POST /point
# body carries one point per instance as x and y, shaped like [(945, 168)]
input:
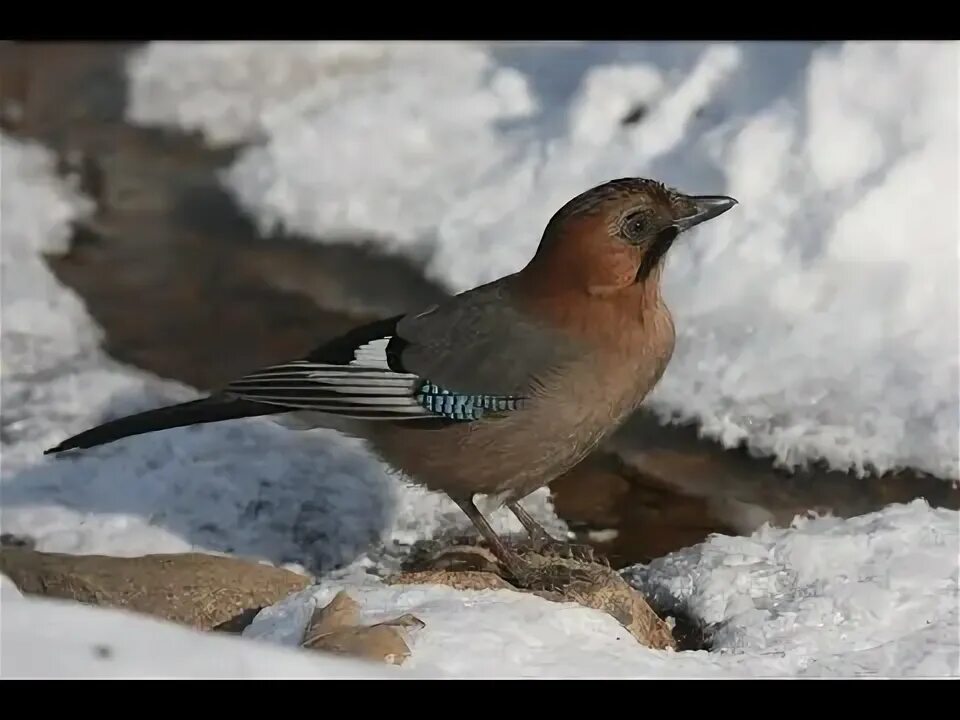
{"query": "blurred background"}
[(175, 214)]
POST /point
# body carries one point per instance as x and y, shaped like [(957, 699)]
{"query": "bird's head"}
[(617, 234)]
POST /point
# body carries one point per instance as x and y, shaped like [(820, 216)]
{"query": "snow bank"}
[(874, 595), (53, 639), (871, 596), (817, 321), (248, 487)]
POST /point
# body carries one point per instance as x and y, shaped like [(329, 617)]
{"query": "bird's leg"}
[(511, 561), (544, 543)]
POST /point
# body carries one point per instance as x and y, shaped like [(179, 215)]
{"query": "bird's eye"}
[(635, 226)]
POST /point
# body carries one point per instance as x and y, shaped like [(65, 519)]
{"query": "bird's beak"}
[(706, 207)]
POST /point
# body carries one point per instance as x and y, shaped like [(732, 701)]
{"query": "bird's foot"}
[(549, 578), (547, 572), (552, 548)]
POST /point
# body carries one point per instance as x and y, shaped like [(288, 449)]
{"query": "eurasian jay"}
[(498, 390)]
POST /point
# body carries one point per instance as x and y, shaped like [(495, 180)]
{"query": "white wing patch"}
[(373, 354)]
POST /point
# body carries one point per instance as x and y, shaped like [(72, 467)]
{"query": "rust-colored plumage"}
[(502, 388)]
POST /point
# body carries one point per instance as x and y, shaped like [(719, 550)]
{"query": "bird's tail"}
[(195, 412)]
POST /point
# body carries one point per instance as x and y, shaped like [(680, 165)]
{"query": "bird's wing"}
[(472, 356), (481, 342)]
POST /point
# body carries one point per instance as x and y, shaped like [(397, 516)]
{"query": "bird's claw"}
[(548, 578), (567, 551)]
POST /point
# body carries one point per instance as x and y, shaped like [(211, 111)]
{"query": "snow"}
[(54, 639), (838, 269), (475, 146), (870, 596), (874, 595)]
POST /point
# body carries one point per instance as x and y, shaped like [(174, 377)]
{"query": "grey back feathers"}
[(483, 343)]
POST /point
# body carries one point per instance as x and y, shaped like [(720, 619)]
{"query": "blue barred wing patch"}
[(456, 406)]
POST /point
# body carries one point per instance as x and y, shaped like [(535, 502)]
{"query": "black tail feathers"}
[(196, 412)]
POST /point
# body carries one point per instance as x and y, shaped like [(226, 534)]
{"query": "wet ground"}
[(185, 287)]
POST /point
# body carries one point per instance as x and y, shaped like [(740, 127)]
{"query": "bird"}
[(497, 390)]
